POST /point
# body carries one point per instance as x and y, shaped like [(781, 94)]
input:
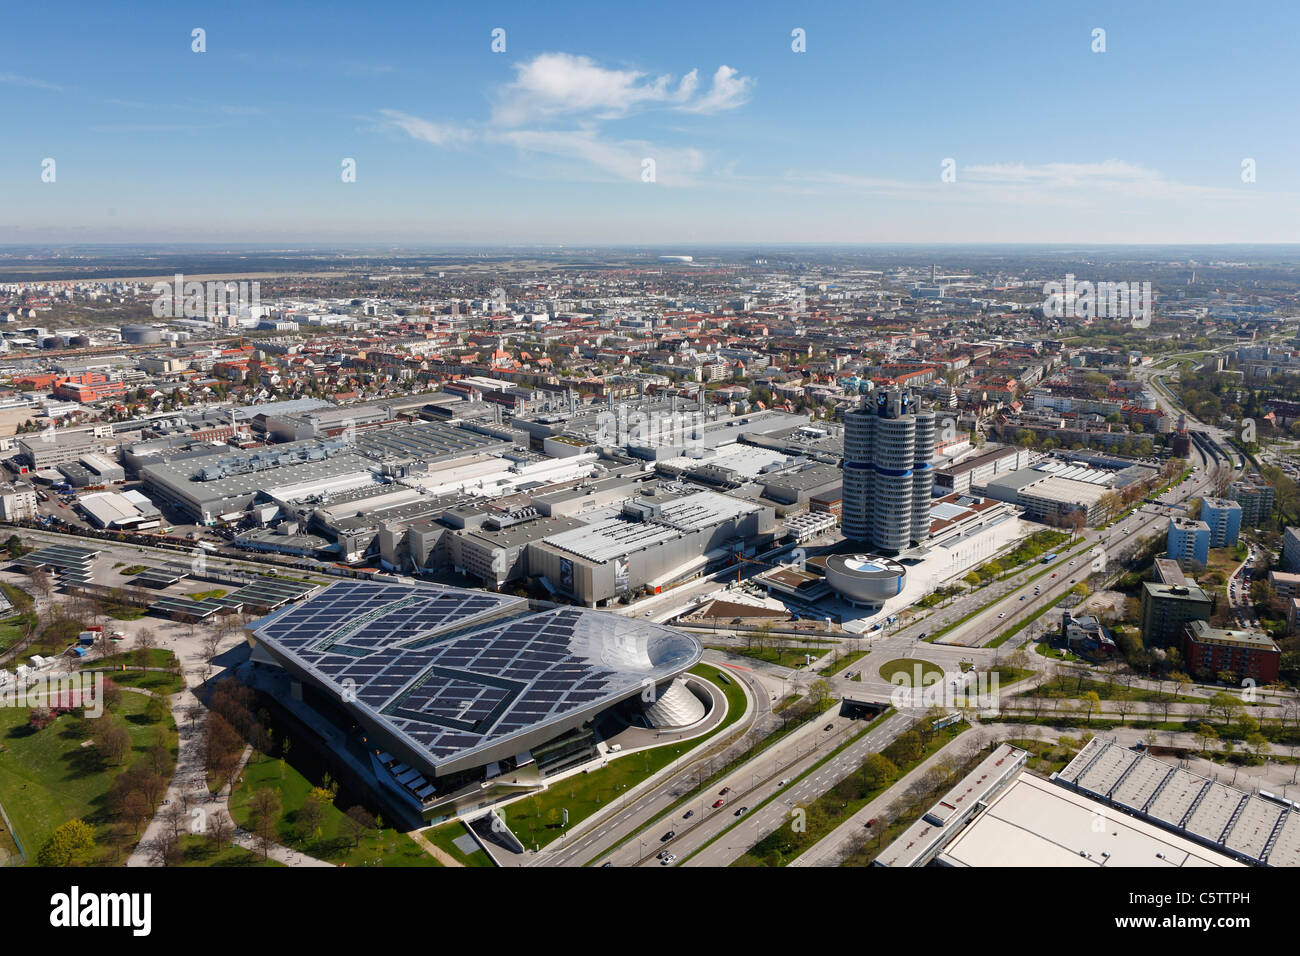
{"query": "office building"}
[(888, 447)]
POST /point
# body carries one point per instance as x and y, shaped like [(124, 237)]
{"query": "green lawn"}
[(536, 819), (124, 612), (197, 852), (333, 845), (11, 631), (47, 778), (444, 836), (844, 661), (20, 599), (1055, 653), (908, 665), (781, 656), (1008, 674), (156, 681)]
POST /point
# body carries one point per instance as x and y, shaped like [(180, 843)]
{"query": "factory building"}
[(656, 538)]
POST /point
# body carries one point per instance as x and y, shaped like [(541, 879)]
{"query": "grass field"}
[(908, 665), (781, 656), (444, 838), (47, 778), (156, 681), (536, 820), (197, 852), (844, 661), (11, 631), (124, 612), (386, 847)]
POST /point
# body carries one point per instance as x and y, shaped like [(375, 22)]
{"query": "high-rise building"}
[(1224, 518), (1291, 549), (1189, 542), (888, 447), (1167, 609), (1255, 495)]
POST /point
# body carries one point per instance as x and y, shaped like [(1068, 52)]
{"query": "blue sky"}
[(545, 143)]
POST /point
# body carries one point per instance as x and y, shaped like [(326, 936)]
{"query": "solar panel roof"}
[(453, 670)]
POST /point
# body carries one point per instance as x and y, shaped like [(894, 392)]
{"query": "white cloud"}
[(436, 134), (729, 90), (557, 84)]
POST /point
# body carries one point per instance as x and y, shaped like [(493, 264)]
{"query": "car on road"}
[(1002, 615), (669, 835), (668, 859), (724, 791), (718, 803), (688, 814), (1022, 597), (829, 727), (741, 810), (782, 783), (1053, 574)]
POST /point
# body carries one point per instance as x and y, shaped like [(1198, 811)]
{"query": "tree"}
[(112, 743), (41, 582), (166, 849), (311, 815), (819, 692), (1258, 744), (878, 771), (1090, 701), (264, 813), (145, 641), (219, 830), (357, 823), (1228, 706), (66, 844), (1205, 734)]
